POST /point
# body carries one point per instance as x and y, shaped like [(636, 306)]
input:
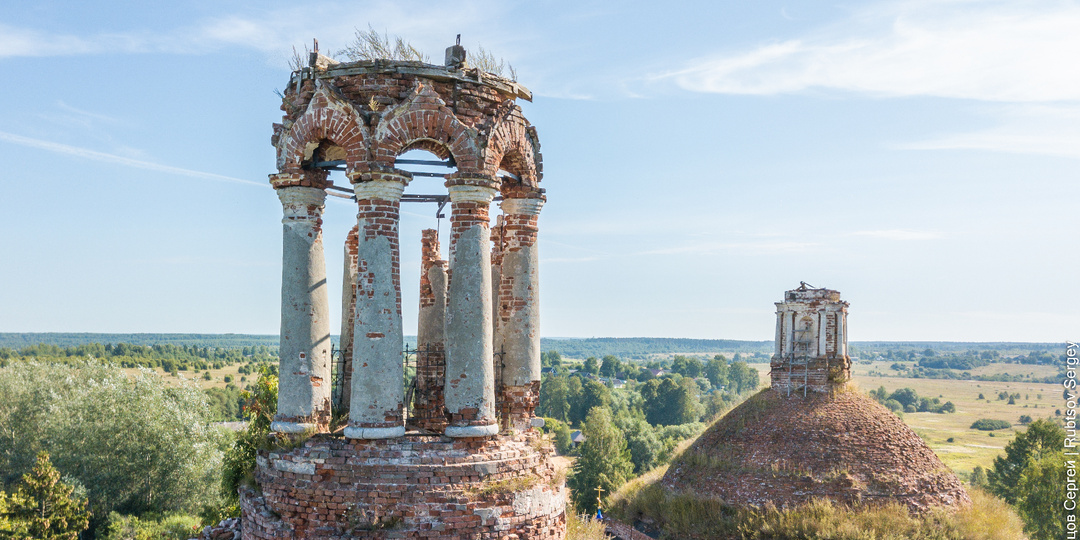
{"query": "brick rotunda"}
[(457, 454), (812, 434)]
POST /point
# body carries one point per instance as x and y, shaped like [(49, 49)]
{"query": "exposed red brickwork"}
[(481, 127), (466, 214), (817, 374), (430, 256), (300, 178), (430, 407), (416, 487), (517, 404), (787, 449), (380, 218), (349, 316), (327, 117)]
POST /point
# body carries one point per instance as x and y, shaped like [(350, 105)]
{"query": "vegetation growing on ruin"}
[(687, 515)]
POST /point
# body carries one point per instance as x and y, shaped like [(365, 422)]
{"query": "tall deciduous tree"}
[(554, 398), (1041, 437), (136, 444), (1039, 498), (604, 461)]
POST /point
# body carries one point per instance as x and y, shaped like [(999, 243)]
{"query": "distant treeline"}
[(171, 358), (65, 339), (640, 348), (1008, 348)]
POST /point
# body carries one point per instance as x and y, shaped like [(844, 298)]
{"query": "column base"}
[(374, 433), (472, 431), (292, 427)]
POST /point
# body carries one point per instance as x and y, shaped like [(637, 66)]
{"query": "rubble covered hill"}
[(812, 434), (787, 449)]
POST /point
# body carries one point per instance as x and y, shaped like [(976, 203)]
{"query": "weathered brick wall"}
[(415, 487), (516, 405), (817, 374)]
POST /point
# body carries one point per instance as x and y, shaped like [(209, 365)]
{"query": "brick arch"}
[(512, 146), (423, 121), (328, 117)]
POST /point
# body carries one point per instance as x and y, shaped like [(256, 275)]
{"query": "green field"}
[(969, 447)]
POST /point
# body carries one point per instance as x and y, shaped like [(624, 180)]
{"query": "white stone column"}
[(304, 372), (519, 307), (778, 348), (470, 377), (378, 392)]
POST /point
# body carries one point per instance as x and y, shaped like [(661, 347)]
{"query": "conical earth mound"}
[(841, 446)]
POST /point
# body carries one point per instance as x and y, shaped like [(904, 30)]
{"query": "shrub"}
[(260, 405), (173, 527), (988, 424)]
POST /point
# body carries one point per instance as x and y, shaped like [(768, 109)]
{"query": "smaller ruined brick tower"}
[(811, 341), (812, 435)]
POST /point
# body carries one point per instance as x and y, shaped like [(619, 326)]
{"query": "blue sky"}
[(920, 156)]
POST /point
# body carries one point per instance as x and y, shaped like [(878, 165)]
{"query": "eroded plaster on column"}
[(376, 411), (470, 380), (304, 373)]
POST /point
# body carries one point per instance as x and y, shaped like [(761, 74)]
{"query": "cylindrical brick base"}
[(412, 487)]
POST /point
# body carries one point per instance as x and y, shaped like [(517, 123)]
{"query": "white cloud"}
[(988, 50), (431, 27), (900, 234), (1052, 130), (753, 248), (119, 160)]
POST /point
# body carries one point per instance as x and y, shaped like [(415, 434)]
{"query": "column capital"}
[(301, 202), (385, 189), (313, 179), (523, 205), (471, 179), (366, 172), (471, 193)]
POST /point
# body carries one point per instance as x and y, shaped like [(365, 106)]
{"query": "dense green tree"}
[(610, 366), (573, 397), (591, 366), (1040, 438), (743, 377), (603, 461), (136, 444), (716, 370), (593, 394), (906, 397), (687, 366), (671, 400), (978, 477), (43, 507), (550, 359), (641, 439), (1039, 496), (554, 398)]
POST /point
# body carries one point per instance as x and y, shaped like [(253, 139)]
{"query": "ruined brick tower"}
[(462, 458), (811, 341), (812, 435)]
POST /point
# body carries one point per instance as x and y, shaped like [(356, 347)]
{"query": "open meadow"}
[(969, 447)]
